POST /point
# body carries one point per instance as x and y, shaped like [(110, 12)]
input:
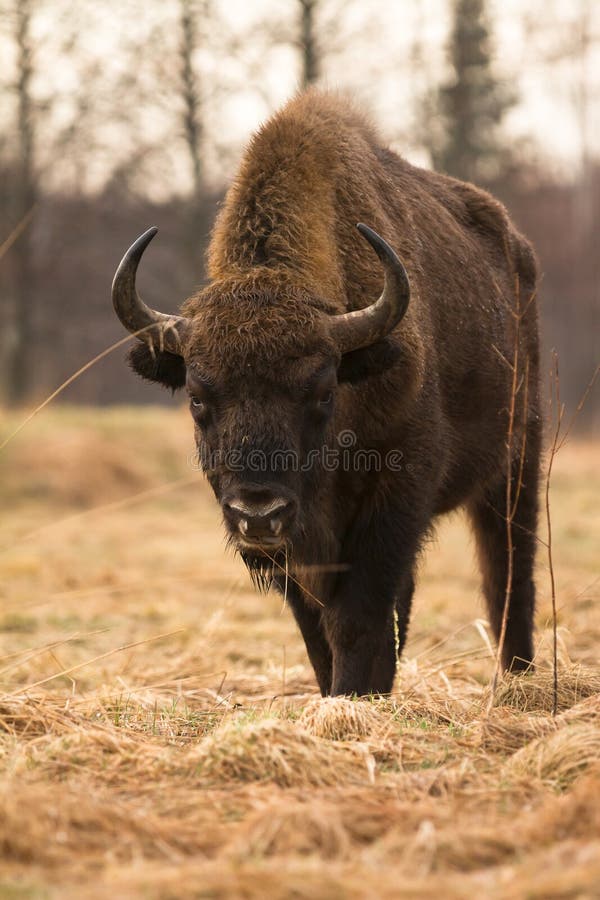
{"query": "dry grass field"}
[(160, 730)]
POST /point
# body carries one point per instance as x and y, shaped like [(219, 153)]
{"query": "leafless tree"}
[(24, 198), (318, 30), (195, 17), (193, 124), (308, 42)]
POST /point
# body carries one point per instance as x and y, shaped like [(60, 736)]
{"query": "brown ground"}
[(160, 731)]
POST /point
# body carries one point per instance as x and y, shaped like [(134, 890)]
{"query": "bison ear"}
[(357, 365), (166, 368)]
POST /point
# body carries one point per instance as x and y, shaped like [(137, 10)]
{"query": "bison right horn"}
[(363, 327), (159, 330)]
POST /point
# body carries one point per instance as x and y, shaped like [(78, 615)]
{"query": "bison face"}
[(262, 431)]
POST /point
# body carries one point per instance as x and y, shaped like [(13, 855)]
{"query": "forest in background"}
[(115, 122)]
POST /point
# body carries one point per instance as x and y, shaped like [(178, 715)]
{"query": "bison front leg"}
[(359, 618), (308, 619), (363, 649)]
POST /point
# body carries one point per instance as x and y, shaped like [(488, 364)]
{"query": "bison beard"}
[(262, 569), (289, 351)]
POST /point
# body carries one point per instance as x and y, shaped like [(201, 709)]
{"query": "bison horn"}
[(363, 327), (157, 329)]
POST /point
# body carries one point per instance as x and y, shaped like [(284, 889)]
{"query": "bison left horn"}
[(157, 329), (363, 327)]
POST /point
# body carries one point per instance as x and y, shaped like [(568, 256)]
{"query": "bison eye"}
[(326, 399), (198, 406)]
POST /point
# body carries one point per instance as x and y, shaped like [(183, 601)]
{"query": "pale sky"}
[(376, 64), (384, 78)]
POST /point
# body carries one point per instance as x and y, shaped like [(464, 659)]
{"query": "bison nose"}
[(260, 522)]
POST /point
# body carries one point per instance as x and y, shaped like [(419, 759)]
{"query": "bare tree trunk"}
[(308, 42), (193, 125), (584, 98), (586, 219), (19, 367), (192, 101)]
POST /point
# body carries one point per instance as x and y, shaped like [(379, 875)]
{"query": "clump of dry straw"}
[(275, 751), (340, 719)]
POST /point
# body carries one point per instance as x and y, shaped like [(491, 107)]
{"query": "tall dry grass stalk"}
[(65, 672), (558, 439), (519, 381), (65, 384), (16, 233)]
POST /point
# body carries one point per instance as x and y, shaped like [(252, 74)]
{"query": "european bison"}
[(334, 427)]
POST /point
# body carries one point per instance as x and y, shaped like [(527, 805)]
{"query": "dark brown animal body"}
[(333, 441)]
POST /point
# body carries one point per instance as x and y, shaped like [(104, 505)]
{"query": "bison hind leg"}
[(489, 518)]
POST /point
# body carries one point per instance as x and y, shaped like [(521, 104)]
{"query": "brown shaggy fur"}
[(284, 256)]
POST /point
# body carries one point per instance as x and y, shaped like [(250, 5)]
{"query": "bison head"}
[(262, 356)]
